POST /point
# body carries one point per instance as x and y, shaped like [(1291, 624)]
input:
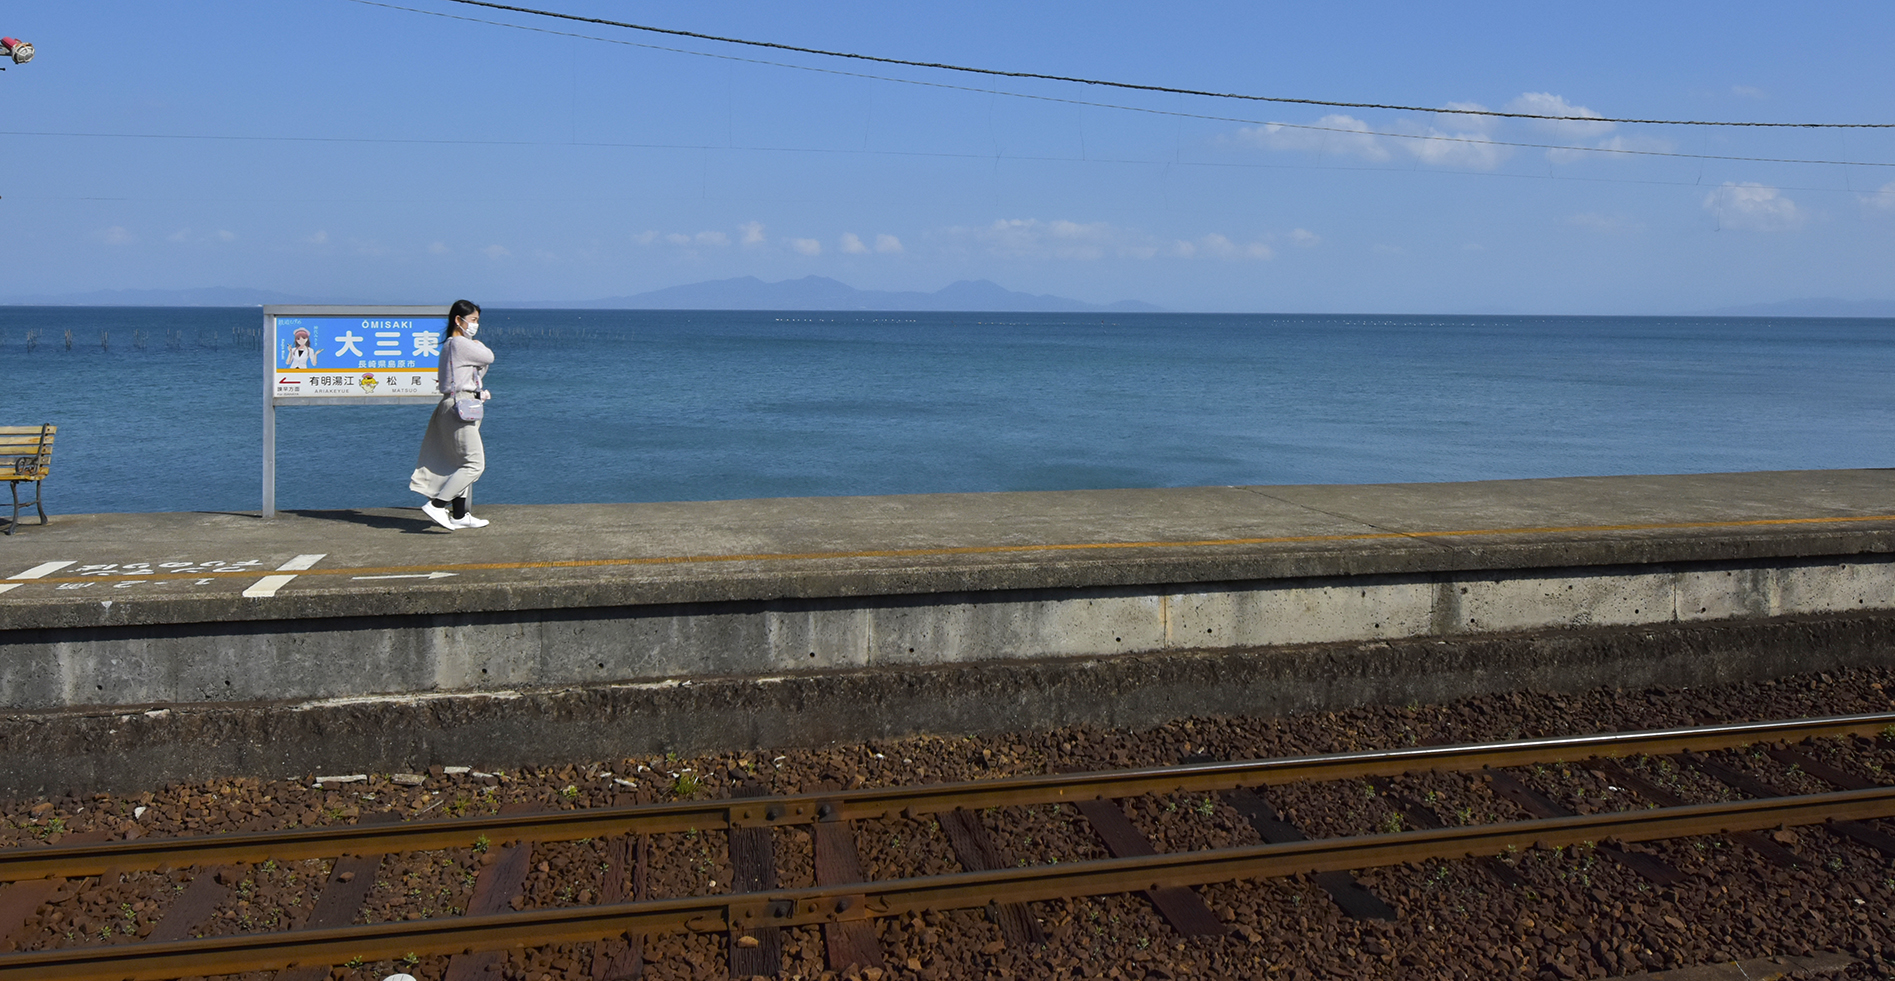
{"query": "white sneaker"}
[(440, 516), (471, 522)]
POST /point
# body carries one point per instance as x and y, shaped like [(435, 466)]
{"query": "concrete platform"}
[(829, 601)]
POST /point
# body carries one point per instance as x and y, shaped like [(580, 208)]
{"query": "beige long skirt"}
[(451, 458)]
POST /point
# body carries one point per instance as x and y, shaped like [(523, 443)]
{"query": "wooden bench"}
[(26, 453)]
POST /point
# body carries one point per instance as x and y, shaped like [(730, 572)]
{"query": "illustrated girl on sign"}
[(302, 355)]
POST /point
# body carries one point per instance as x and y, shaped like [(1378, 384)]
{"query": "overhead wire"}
[(1139, 87), (1176, 113)]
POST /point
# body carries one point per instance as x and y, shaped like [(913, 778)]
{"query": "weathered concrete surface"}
[(48, 753), (505, 650), (558, 557), (227, 617)]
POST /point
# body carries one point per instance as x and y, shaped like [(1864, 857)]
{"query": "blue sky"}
[(337, 149)]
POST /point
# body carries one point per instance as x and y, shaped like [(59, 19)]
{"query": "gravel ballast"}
[(1577, 916)]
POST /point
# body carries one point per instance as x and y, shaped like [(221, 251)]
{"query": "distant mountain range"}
[(808, 293), (213, 296), (742, 293), (823, 293)]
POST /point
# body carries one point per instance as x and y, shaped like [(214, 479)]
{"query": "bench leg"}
[(15, 523), (37, 484)]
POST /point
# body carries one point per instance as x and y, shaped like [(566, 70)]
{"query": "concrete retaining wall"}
[(60, 668), (354, 641), (45, 753)]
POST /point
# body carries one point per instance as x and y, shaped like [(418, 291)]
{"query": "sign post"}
[(343, 355)]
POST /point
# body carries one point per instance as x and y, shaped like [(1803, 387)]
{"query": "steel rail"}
[(867, 900), (149, 853)]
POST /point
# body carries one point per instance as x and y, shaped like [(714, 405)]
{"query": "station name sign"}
[(337, 355), (355, 357)]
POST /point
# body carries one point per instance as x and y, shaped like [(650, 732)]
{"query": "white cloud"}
[(1338, 134), (117, 235), (1752, 206), (1748, 92), (853, 245), (1469, 146), (1467, 118), (1626, 143), (184, 235), (1215, 246), (1031, 238), (806, 246), (1614, 144), (753, 232), (319, 238), (438, 248), (496, 252), (683, 241), (1548, 104), (1464, 149), (1304, 238), (1580, 131), (1881, 200), (887, 244)]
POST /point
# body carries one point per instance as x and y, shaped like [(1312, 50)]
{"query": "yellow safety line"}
[(974, 550)]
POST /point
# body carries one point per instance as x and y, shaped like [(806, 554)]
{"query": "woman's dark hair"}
[(461, 308)]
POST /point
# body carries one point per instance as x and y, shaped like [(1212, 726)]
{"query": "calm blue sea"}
[(160, 409)]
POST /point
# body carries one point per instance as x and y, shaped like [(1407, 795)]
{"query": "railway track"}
[(753, 914)]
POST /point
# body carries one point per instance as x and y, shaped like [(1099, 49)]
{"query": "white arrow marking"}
[(412, 575), (41, 570), (268, 585), (34, 573)]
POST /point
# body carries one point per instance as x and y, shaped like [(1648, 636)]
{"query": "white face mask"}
[(469, 328)]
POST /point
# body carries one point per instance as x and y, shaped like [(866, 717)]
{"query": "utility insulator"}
[(20, 51)]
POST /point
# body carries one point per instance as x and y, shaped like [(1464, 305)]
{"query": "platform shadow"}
[(417, 524)]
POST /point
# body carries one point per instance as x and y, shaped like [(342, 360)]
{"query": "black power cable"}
[(942, 66), (1430, 137)]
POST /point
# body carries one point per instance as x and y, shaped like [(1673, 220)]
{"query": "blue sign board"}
[(345, 355), (356, 356)]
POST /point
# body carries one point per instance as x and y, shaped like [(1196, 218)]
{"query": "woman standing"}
[(451, 455)]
